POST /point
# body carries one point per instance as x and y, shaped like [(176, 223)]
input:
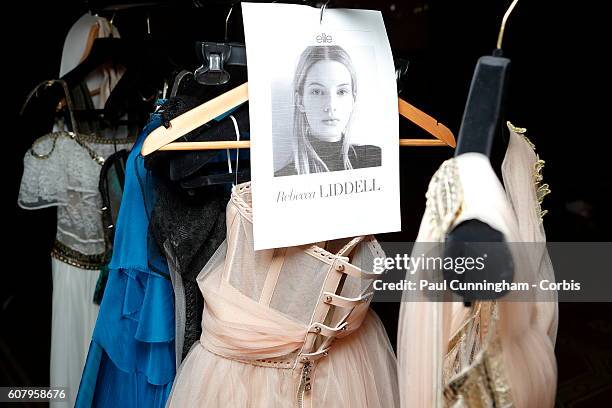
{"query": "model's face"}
[(328, 100)]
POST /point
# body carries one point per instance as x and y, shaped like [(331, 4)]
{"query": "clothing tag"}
[(324, 124)]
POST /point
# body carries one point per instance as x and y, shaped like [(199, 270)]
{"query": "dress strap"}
[(345, 302), (350, 246)]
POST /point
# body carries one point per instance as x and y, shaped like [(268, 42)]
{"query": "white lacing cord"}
[(237, 150)]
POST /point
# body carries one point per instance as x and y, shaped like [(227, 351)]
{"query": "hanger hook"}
[(503, 24), (323, 7), (229, 159), (229, 13)]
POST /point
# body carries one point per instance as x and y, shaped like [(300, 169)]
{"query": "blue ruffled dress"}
[(131, 360)]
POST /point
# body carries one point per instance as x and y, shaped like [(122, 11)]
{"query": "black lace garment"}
[(187, 225), (189, 229)]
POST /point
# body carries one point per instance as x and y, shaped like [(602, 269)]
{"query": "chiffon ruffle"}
[(137, 331), (131, 358)]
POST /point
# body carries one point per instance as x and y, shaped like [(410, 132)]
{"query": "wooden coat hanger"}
[(162, 138)]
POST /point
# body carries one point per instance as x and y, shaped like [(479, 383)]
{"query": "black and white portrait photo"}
[(324, 126), (325, 94)]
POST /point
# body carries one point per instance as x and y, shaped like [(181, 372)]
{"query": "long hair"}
[(305, 157)]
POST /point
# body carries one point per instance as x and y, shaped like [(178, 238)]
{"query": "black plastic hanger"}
[(481, 132), (221, 176), (187, 164), (223, 67), (485, 106)]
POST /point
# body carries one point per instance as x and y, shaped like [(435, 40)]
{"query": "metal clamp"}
[(214, 57)]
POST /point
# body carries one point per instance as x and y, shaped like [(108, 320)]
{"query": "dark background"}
[(557, 92)]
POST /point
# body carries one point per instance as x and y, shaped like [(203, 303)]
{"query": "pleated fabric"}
[(359, 372), (73, 319)]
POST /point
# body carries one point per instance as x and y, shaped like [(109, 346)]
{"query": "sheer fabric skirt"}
[(73, 318), (360, 371)]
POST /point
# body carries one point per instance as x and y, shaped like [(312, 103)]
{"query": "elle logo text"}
[(324, 38)]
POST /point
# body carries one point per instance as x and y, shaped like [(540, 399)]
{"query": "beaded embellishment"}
[(55, 135), (73, 257), (542, 189), (484, 383), (444, 198)]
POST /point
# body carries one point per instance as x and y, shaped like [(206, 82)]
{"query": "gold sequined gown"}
[(494, 353)]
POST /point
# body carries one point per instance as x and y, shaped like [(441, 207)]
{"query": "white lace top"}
[(60, 171)]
